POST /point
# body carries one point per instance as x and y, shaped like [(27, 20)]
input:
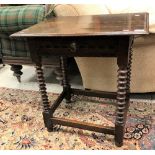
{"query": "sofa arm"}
[(16, 18)]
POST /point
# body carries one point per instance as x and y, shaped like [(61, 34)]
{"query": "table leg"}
[(124, 71), (45, 102), (121, 106), (37, 60), (65, 81), (129, 72)]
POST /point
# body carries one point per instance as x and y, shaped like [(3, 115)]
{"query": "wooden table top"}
[(90, 25)]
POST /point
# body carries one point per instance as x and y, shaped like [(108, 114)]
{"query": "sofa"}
[(15, 52), (101, 73)]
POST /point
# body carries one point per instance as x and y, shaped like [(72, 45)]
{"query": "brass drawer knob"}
[(73, 47)]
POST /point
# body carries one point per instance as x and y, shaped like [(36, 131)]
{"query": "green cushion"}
[(16, 18), (13, 19)]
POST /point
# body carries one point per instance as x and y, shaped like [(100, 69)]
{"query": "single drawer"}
[(78, 46)]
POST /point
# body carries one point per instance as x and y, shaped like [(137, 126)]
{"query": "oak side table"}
[(87, 36)]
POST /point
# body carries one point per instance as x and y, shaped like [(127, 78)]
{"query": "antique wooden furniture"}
[(87, 36)]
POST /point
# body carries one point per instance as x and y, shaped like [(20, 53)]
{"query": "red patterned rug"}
[(21, 123)]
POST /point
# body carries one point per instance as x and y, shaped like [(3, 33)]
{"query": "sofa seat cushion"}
[(16, 18)]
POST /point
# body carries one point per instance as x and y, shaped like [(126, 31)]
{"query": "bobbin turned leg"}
[(36, 58), (121, 105), (129, 71), (45, 102), (65, 81), (123, 89)]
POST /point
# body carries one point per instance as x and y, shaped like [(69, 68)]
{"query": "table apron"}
[(99, 46)]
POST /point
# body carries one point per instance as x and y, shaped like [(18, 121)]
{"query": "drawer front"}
[(79, 46), (97, 46), (53, 46)]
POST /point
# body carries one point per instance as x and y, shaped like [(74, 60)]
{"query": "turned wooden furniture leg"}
[(45, 102), (121, 106), (65, 81), (123, 87), (37, 60), (129, 71), (58, 73), (17, 71), (1, 62)]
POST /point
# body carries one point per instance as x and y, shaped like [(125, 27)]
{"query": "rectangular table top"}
[(89, 25)]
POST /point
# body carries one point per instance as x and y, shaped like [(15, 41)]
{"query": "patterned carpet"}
[(21, 124)]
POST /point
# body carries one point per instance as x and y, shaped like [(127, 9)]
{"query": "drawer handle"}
[(73, 47)]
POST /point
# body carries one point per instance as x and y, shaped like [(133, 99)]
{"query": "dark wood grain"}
[(94, 93), (97, 46), (83, 125), (123, 89), (65, 81), (57, 103), (92, 25)]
